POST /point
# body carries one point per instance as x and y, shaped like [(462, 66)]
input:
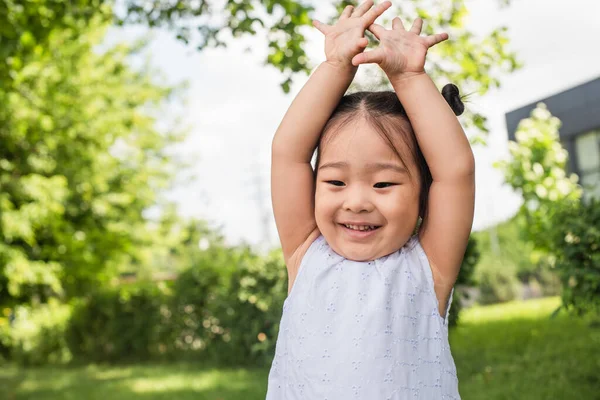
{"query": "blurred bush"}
[(561, 222), (116, 325), (497, 281), (501, 273), (225, 310), (35, 335), (578, 261)]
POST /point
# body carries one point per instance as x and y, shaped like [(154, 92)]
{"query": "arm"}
[(292, 182), (445, 231)]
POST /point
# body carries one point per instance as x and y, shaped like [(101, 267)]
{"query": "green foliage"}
[(117, 325), (204, 25), (79, 163), (506, 351), (474, 63), (231, 305), (560, 226), (81, 160), (258, 290), (515, 260), (26, 25), (37, 335), (512, 248), (578, 261), (497, 282), (225, 308), (537, 170)]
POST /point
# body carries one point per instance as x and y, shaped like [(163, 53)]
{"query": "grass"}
[(515, 351), (508, 351), (140, 382)]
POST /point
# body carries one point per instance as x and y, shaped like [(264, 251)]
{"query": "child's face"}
[(362, 195)]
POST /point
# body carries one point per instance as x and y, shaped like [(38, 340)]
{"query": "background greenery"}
[(88, 280), (509, 351)]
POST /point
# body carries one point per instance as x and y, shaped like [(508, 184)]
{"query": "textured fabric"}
[(363, 330)]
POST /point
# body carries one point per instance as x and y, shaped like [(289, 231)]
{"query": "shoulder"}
[(298, 255)]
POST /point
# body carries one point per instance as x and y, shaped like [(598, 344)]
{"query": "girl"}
[(367, 308)]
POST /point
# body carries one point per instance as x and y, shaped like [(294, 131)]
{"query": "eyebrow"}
[(378, 166)]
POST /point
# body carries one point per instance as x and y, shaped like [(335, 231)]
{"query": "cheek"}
[(325, 202), (400, 206)]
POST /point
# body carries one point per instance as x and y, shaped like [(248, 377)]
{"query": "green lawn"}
[(509, 351), (515, 351)]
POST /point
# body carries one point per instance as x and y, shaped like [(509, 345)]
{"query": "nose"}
[(357, 200)]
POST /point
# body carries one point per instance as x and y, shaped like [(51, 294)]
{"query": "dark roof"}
[(578, 109)]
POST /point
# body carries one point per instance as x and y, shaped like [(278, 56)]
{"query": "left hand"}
[(400, 52), (345, 38)]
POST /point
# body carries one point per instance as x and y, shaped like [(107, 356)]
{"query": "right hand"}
[(347, 38)]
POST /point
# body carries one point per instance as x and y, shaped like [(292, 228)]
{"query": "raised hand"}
[(400, 51), (347, 38)]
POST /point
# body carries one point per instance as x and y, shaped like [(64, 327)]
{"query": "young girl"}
[(367, 308)]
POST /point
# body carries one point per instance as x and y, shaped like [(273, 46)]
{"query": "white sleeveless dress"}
[(363, 330)]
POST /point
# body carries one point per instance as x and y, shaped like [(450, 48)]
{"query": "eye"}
[(335, 183), (383, 185)]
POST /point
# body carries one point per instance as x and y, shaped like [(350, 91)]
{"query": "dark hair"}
[(384, 112)]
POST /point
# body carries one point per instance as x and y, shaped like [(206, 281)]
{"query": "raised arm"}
[(445, 231), (292, 181)]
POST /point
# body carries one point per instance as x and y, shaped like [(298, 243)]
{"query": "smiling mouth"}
[(361, 228)]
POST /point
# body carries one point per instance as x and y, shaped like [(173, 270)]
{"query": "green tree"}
[(537, 169), (64, 205), (562, 228), (81, 160), (474, 63)]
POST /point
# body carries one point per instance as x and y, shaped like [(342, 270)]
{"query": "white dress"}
[(363, 330)]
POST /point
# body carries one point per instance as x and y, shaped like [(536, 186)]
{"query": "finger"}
[(417, 26), (362, 43), (368, 57), (323, 28), (346, 13), (377, 30), (362, 8), (397, 24), (432, 40), (375, 12)]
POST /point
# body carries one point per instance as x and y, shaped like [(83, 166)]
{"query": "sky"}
[(235, 104)]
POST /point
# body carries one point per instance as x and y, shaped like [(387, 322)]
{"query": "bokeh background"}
[(139, 258)]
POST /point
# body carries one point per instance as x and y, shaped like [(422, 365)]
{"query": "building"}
[(578, 109)]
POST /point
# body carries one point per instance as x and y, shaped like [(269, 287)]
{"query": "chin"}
[(350, 252), (361, 259)]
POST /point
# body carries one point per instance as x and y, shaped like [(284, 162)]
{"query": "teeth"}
[(360, 227)]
